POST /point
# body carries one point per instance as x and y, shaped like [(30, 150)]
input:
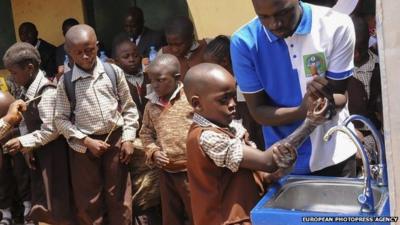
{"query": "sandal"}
[(6, 221)]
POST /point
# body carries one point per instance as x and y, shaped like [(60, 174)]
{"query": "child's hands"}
[(96, 147), (13, 146), (284, 155), (126, 152), (160, 158)]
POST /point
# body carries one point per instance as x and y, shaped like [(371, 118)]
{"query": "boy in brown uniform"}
[(102, 106), (166, 120), (46, 152), (221, 163), (181, 41), (145, 185)]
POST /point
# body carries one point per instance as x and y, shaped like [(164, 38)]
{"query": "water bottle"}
[(152, 54), (66, 64), (103, 56)]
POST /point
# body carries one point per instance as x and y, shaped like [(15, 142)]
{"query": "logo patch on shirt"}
[(317, 59)]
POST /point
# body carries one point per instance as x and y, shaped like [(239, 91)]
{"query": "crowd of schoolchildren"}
[(128, 141)]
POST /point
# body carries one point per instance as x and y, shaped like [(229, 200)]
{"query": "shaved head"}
[(81, 45), (211, 91), (167, 63), (200, 78), (81, 33)]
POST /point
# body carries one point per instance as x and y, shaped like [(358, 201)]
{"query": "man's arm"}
[(266, 114)]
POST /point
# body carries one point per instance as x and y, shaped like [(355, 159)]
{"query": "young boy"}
[(127, 57), (49, 170), (218, 52), (94, 109), (360, 86), (179, 33), (167, 118), (221, 164), (145, 186)]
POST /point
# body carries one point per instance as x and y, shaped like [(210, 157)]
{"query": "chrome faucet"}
[(379, 169), (366, 199)]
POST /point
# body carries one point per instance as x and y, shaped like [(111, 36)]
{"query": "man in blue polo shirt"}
[(274, 59)]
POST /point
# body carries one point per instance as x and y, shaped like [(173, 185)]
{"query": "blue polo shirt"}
[(281, 67)]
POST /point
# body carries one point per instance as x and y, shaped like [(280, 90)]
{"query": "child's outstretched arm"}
[(283, 154)]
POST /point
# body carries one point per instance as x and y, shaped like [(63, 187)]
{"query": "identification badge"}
[(3, 84), (317, 60)]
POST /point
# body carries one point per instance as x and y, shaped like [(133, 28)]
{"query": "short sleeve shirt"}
[(281, 67)]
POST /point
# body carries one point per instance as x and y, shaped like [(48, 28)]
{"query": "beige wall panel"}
[(47, 15), (212, 18)]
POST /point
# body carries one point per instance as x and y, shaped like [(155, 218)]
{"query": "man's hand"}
[(13, 146), (30, 160), (284, 155), (126, 152), (96, 147), (160, 158), (14, 116), (319, 87), (306, 104)]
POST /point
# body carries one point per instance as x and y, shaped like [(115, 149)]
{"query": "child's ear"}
[(195, 102)]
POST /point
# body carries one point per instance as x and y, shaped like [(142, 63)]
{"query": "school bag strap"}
[(69, 85)]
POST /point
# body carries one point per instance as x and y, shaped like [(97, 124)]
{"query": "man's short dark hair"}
[(181, 26), (70, 22), (29, 27)]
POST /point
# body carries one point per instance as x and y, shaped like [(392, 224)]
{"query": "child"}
[(220, 162), (88, 99), (167, 118), (218, 52), (45, 150), (179, 33), (126, 55), (146, 201), (360, 85)]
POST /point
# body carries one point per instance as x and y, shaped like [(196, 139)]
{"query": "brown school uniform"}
[(14, 175), (145, 180), (138, 92), (194, 57), (164, 129), (101, 186), (219, 195), (50, 181), (14, 180)]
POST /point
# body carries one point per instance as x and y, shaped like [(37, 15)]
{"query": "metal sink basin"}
[(294, 198), (323, 195)]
